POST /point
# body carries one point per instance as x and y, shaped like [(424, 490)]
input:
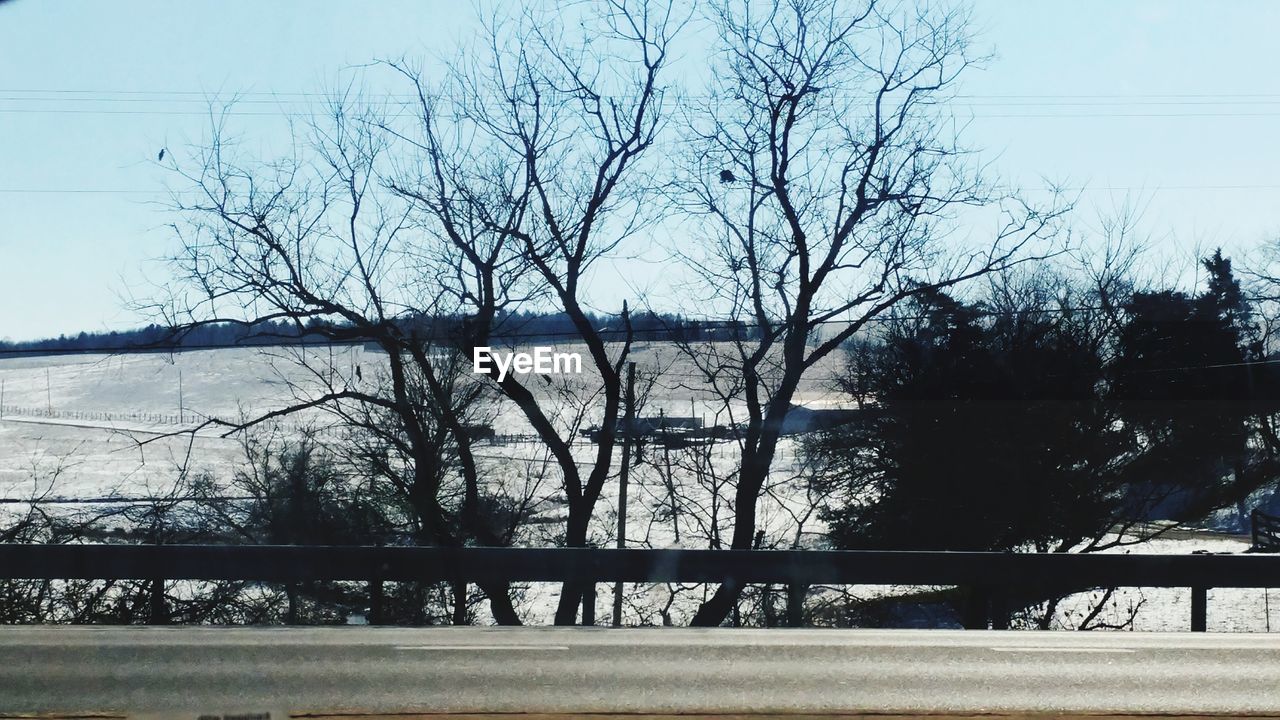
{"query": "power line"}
[(413, 101), (304, 99), (979, 116), (1079, 188), (413, 96)]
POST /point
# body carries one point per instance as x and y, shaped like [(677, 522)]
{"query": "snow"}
[(77, 421)]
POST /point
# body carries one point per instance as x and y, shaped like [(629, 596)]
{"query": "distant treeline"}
[(525, 326), (521, 327)]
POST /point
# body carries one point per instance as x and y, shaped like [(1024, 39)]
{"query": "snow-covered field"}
[(92, 424), (1229, 609), (94, 419), (87, 414)]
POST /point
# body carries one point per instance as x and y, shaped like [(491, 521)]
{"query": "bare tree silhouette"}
[(847, 178)]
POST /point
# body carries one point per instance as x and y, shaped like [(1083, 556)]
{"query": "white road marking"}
[(481, 647), (1061, 650)]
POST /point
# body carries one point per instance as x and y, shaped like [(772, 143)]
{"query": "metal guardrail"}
[(1264, 531), (993, 576)]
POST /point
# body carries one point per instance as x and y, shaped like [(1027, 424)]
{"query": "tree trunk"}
[(499, 594), (571, 593), (714, 611)]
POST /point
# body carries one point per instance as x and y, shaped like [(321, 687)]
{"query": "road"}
[(193, 671)]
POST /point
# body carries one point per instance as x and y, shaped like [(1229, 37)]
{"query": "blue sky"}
[(1174, 104)]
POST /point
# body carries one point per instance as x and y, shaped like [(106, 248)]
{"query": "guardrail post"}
[(291, 595), (999, 608), (796, 593), (459, 602), (1199, 608), (975, 611), (159, 614), (375, 602)]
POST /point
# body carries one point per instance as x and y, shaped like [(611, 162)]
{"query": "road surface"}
[(222, 671)]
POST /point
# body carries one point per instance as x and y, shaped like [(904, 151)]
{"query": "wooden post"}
[(159, 608), (375, 602), (975, 608), (459, 602), (628, 424), (998, 604), (796, 593), (1199, 608)]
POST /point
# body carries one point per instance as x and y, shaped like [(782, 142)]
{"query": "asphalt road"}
[(211, 671)]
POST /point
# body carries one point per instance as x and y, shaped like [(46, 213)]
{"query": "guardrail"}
[(1264, 531), (993, 577)]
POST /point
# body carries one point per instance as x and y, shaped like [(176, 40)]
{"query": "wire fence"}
[(158, 418), (190, 418), (177, 421)]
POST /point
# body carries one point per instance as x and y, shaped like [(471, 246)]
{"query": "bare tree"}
[(520, 173), (827, 181), (534, 166), (311, 240)]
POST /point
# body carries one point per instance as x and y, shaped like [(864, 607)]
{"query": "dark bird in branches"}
[(161, 155), (727, 176)]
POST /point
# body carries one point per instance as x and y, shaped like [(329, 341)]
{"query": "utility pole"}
[(671, 489), (628, 429), (666, 472)]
